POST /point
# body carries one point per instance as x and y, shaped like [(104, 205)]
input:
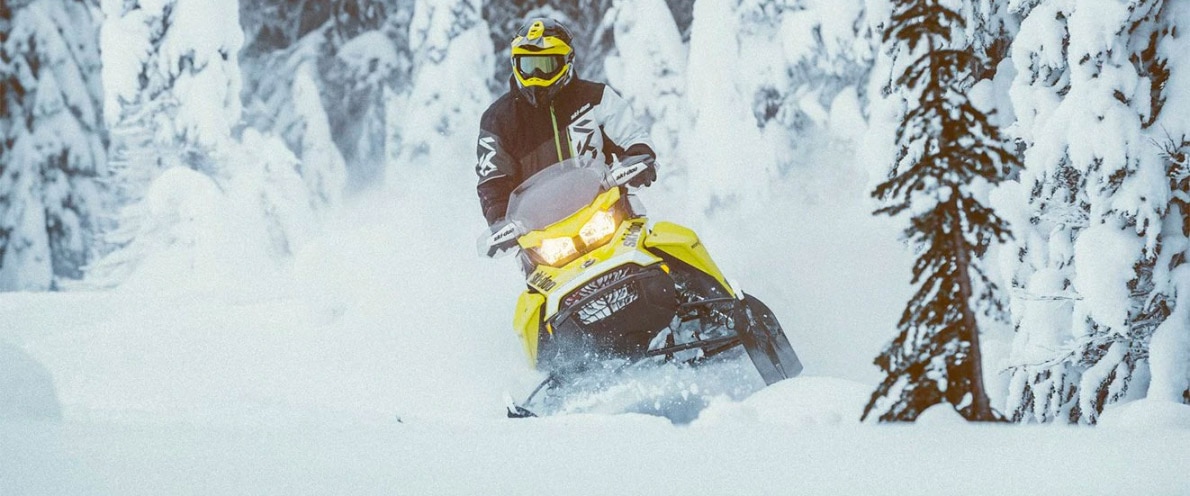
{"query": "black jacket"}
[(517, 140)]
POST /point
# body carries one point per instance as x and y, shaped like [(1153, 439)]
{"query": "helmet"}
[(542, 59)]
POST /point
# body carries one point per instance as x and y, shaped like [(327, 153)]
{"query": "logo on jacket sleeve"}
[(582, 135), (582, 110), (487, 148)]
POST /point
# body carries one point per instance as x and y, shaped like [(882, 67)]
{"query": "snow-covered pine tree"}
[(362, 65), (683, 15), (775, 71), (729, 165), (1169, 347), (1043, 387), (1166, 64), (322, 165), (945, 147), (449, 40), (355, 53), (1089, 263), (52, 141), (803, 54), (991, 29), (648, 68), (172, 81), (173, 64), (993, 26)]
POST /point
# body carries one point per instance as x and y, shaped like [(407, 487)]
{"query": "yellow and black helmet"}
[(542, 59)]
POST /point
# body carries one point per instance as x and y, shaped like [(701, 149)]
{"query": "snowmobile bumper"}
[(608, 317)]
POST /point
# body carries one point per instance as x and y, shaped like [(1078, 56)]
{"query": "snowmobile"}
[(605, 284)]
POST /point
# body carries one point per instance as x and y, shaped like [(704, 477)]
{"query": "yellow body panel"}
[(527, 321), (630, 245), (683, 244)]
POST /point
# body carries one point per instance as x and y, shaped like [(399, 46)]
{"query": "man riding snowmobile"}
[(550, 115), (606, 288)]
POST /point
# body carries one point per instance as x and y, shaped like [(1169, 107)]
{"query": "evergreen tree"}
[(357, 52), (172, 82), (1169, 347), (648, 68), (717, 90), (819, 48), (946, 146), (448, 40), (1164, 62), (52, 141), (683, 15), (322, 166), (1042, 387), (992, 27), (1091, 269), (364, 62)]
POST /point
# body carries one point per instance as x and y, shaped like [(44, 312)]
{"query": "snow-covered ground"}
[(271, 337), (753, 449), (377, 363)]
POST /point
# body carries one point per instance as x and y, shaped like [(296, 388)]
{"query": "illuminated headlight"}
[(554, 250), (596, 230)]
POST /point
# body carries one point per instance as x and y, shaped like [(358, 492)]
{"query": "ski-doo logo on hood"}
[(543, 281), (632, 236)]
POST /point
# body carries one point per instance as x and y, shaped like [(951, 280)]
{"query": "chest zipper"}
[(557, 137)]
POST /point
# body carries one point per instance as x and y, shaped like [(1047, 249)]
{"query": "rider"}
[(549, 115)]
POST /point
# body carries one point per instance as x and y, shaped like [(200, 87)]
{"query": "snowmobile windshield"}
[(557, 192)]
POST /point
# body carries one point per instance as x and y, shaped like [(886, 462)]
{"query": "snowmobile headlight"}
[(554, 250), (597, 230)]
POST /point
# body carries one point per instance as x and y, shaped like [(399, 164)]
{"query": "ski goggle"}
[(539, 66)]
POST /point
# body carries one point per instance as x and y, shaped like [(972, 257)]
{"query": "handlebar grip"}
[(623, 172)]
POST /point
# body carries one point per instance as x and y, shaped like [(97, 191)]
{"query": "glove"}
[(647, 176)]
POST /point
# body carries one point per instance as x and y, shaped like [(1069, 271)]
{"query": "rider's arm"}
[(495, 169), (626, 136)]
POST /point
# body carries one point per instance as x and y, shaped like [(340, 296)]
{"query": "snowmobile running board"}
[(518, 411), (709, 343), (706, 301)]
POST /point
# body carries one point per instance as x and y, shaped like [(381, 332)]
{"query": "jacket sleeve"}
[(494, 166), (624, 135)]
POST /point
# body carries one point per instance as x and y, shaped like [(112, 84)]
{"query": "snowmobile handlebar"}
[(501, 240), (622, 171)]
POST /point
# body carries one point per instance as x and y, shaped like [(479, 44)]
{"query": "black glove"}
[(647, 176)]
